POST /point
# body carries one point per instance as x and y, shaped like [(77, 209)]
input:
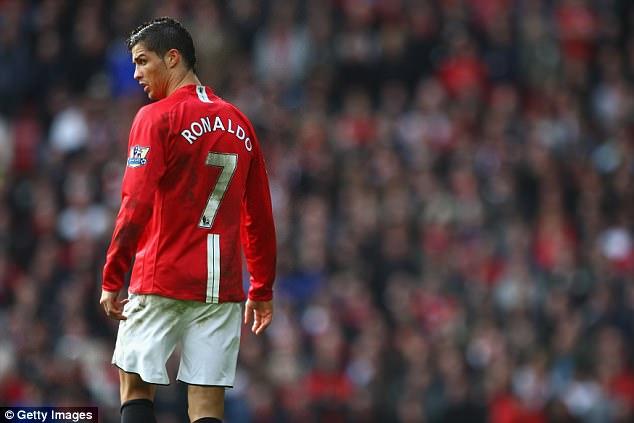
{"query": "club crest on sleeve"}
[(138, 156)]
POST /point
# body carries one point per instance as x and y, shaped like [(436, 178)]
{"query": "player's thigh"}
[(148, 337), (133, 387), (210, 344), (205, 401)]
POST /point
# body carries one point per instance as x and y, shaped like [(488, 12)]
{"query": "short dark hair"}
[(163, 34)]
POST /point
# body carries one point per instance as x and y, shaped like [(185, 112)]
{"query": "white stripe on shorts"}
[(213, 268)]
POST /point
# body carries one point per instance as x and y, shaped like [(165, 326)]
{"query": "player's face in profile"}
[(150, 71)]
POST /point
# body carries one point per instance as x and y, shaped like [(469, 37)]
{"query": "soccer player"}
[(195, 193)]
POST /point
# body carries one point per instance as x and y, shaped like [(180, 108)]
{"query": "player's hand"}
[(112, 306), (261, 312)]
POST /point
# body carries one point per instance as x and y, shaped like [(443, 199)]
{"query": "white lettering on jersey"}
[(206, 124), (218, 124), (240, 131), (187, 134), (197, 129), (203, 126)]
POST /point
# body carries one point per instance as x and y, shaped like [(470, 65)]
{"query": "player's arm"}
[(145, 167), (258, 240)]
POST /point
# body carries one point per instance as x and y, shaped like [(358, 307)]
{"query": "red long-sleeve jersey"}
[(195, 192)]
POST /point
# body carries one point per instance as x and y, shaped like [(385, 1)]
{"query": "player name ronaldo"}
[(203, 126)]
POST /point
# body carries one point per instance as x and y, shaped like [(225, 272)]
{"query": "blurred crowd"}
[(453, 187)]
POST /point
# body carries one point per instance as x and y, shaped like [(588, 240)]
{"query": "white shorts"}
[(209, 336)]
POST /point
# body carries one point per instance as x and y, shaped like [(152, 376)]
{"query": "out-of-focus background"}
[(453, 186)]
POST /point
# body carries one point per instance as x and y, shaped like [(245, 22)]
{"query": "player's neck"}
[(188, 78)]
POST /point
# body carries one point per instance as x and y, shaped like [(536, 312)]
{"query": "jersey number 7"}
[(228, 163)]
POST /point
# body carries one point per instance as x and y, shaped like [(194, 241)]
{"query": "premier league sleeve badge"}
[(138, 156)]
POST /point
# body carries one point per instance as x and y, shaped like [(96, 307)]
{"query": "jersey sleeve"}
[(258, 230), (146, 164)]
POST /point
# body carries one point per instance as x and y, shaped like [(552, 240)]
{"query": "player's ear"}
[(173, 58)]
